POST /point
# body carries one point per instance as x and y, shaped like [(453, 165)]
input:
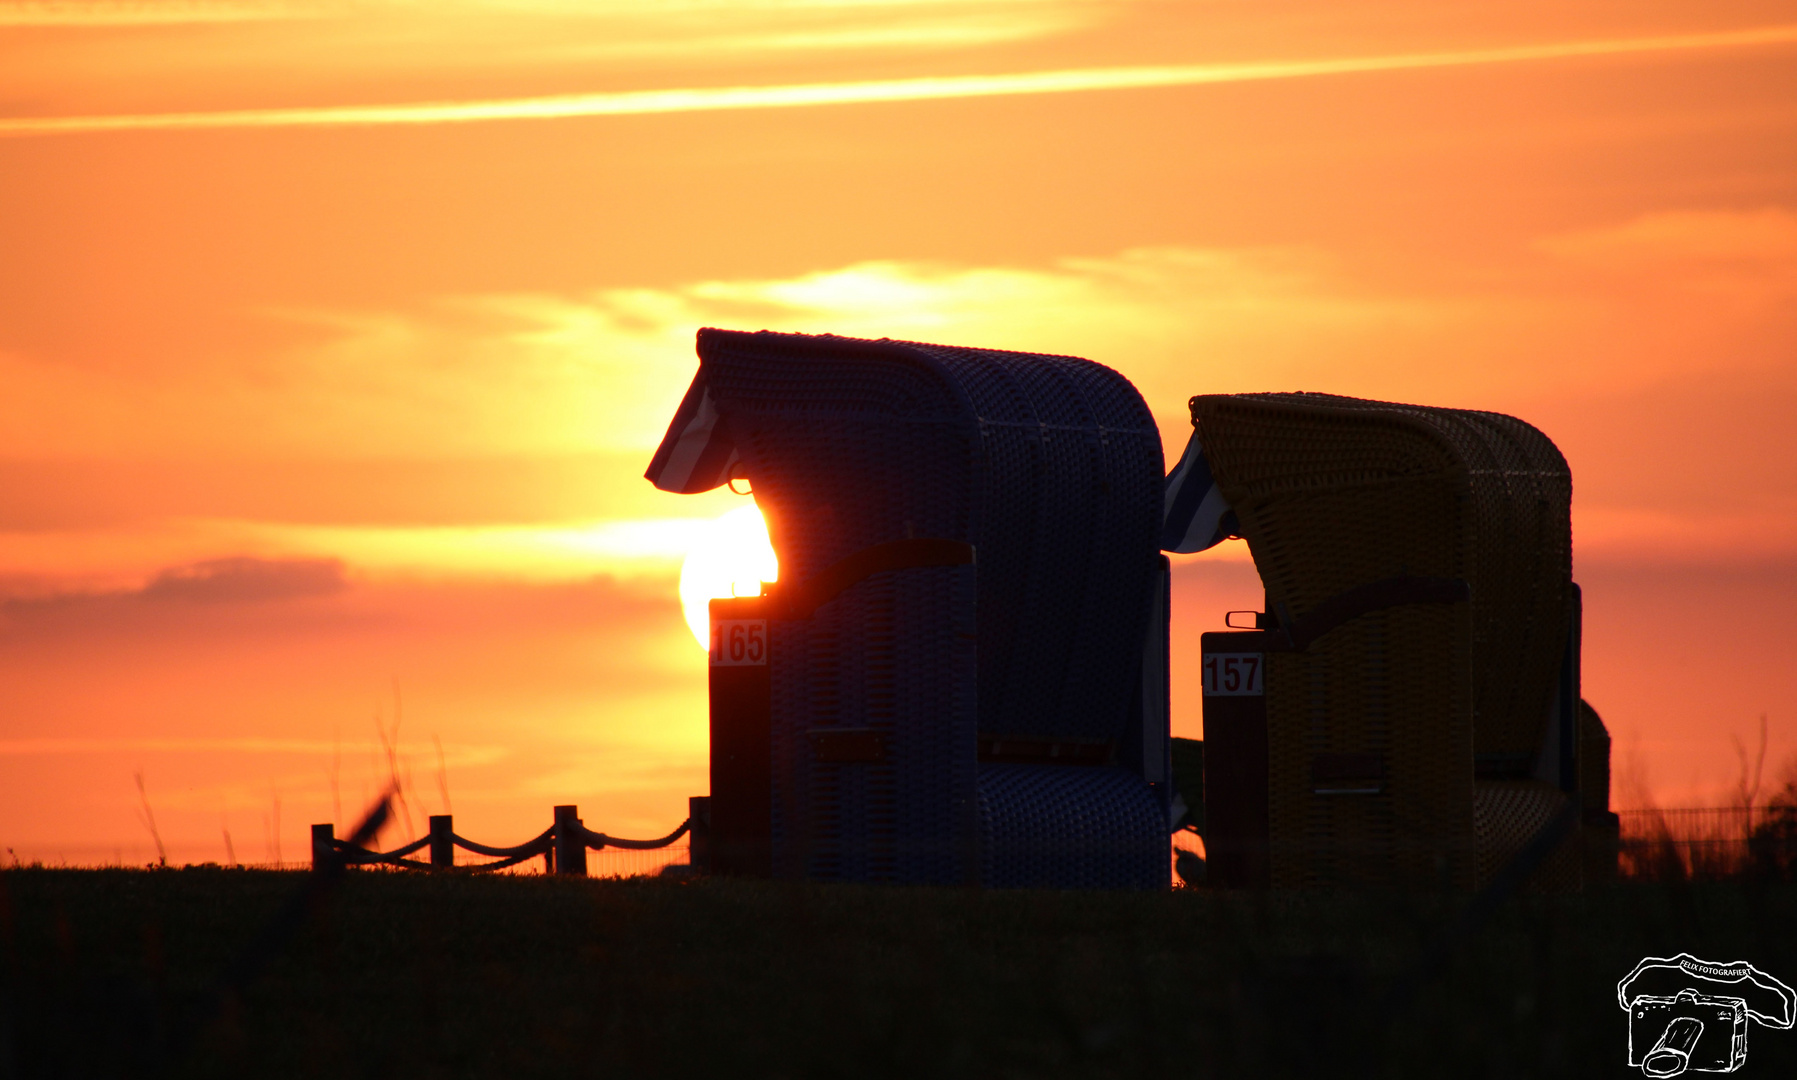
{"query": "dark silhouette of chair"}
[(1421, 641), (930, 718)]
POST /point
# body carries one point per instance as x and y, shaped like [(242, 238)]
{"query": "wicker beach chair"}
[(996, 716), (1421, 636)]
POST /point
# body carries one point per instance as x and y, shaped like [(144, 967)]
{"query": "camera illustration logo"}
[(1691, 1014)]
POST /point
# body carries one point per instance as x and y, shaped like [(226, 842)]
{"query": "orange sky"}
[(397, 298)]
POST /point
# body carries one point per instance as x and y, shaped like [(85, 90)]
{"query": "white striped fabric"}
[(696, 454), (1194, 514)]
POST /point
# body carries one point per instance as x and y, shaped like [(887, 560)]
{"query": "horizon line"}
[(927, 88)]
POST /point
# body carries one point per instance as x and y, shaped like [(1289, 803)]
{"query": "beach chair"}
[(964, 671), (1417, 722)]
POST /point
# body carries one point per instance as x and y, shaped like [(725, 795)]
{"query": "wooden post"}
[(1236, 836), (698, 833), (324, 847), (442, 842), (570, 842), (742, 775)]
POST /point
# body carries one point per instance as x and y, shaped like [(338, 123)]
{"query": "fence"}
[(1710, 843), (1706, 844), (563, 847)]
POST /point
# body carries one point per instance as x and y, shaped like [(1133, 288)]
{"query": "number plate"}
[(1235, 674), (739, 643)]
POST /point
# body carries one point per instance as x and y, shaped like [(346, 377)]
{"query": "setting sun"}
[(731, 557)]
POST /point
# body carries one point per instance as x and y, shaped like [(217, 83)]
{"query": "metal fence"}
[(1710, 843)]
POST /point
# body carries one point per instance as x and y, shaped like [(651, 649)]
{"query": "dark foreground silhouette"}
[(409, 974)]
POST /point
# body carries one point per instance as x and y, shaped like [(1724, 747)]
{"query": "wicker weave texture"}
[(1050, 466), (1506, 816), (895, 654), (1334, 493), (1352, 693), (1070, 828)]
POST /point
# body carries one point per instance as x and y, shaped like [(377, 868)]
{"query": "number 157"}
[(1233, 673)]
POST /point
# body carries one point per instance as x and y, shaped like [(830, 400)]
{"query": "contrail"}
[(709, 99)]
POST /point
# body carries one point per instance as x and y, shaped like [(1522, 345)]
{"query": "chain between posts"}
[(563, 846)]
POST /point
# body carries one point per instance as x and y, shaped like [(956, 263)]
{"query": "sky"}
[(335, 337)]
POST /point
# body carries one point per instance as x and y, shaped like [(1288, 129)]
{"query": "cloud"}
[(595, 372), (1747, 254), (735, 31), (242, 580), (212, 53), (70, 496), (1674, 293), (235, 579), (531, 374), (454, 753), (297, 561), (1768, 234), (929, 88), (1691, 535), (1674, 299), (601, 372), (573, 552), (522, 375), (102, 13)]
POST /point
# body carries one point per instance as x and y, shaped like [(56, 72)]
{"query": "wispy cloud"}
[(162, 12), (1700, 295), (601, 371), (294, 562), (939, 32), (462, 755), (1764, 238), (247, 580), (98, 13), (701, 99), (530, 552)]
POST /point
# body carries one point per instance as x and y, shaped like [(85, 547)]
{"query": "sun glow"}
[(731, 557)]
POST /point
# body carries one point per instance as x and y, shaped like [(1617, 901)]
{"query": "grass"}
[(416, 975)]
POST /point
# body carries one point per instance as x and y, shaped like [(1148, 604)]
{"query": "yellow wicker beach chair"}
[(1420, 640)]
